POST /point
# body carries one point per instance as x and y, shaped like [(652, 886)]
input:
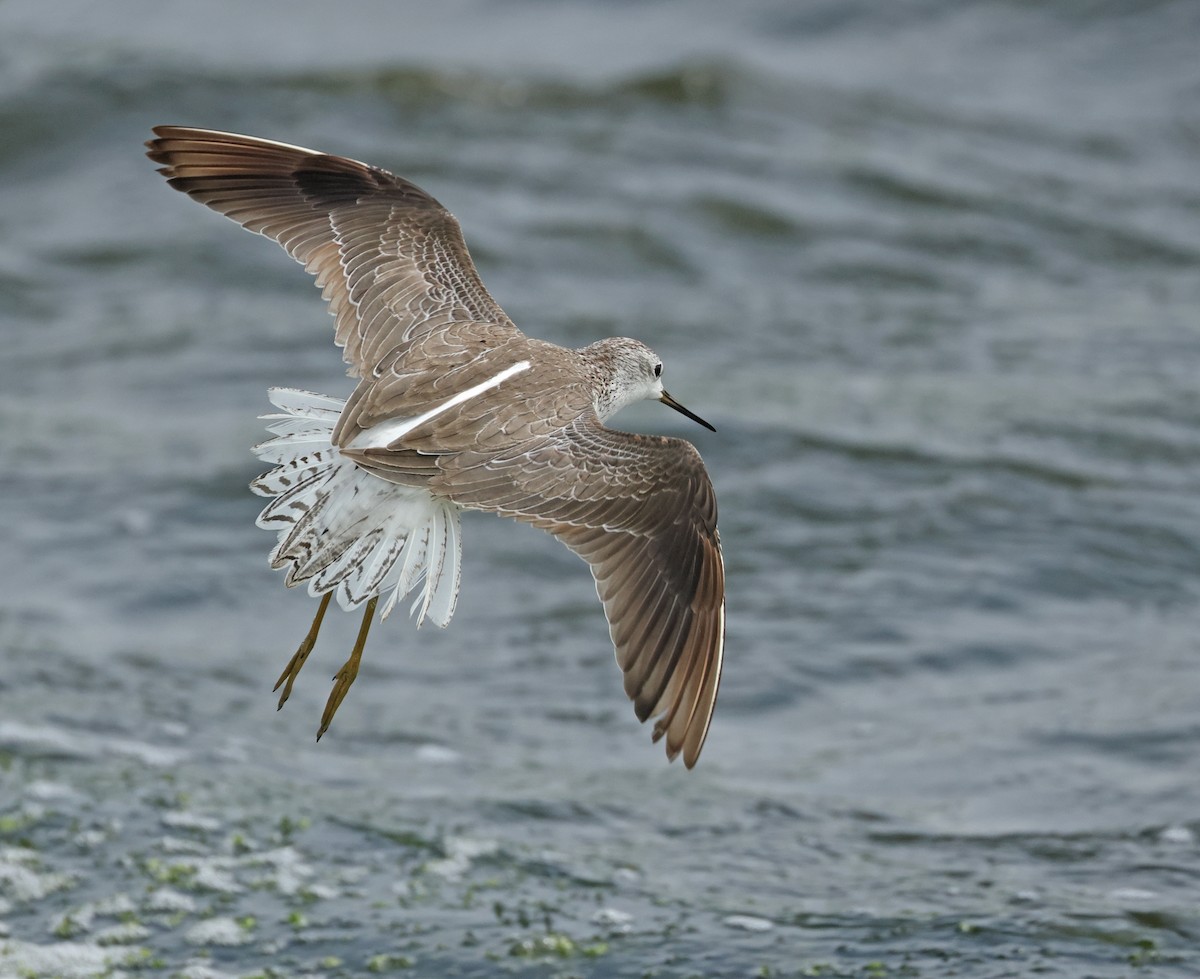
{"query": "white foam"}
[(66, 960), (218, 931)]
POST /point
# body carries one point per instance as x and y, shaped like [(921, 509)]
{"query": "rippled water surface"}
[(933, 270)]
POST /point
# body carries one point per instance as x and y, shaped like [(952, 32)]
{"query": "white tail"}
[(342, 529)]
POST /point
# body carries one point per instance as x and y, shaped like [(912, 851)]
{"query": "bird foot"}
[(341, 686), (296, 663), (349, 671)]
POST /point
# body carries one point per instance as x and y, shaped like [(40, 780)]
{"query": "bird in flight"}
[(456, 409)]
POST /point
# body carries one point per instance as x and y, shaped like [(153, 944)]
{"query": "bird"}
[(456, 409)]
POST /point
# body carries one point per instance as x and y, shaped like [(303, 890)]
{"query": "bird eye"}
[(658, 370)]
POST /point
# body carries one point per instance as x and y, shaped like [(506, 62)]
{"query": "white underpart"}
[(394, 429), (342, 529)]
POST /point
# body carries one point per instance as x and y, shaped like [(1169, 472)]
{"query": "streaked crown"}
[(623, 371)]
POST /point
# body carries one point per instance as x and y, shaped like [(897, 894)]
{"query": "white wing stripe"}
[(387, 433)]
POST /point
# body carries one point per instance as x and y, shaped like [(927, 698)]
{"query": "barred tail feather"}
[(342, 529), (305, 404), (444, 594)]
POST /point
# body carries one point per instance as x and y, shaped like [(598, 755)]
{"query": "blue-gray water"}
[(933, 270)]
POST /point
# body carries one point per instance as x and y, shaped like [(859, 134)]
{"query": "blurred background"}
[(932, 269)]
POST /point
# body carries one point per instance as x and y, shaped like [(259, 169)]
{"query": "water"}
[(931, 269)]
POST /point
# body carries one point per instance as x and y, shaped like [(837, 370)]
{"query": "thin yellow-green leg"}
[(345, 676), (296, 663)]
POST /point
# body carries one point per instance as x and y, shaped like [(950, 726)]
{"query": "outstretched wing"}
[(390, 260), (641, 511)]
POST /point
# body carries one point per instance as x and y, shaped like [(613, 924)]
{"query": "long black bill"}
[(668, 400)]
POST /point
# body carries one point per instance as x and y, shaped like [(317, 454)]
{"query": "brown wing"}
[(391, 261), (642, 512)]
